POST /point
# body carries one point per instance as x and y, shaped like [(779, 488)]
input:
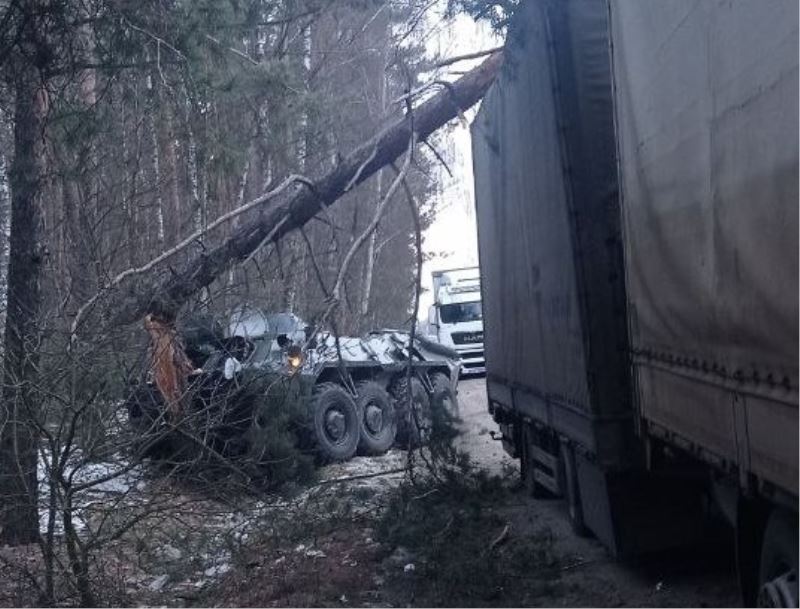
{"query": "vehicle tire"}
[(444, 397), (335, 422), (378, 424), (777, 572), (413, 424), (528, 464)]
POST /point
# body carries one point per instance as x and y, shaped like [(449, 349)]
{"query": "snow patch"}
[(102, 482), (217, 570)]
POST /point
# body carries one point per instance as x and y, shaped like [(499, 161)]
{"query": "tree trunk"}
[(5, 232), (175, 218), (369, 267), (77, 225), (152, 128), (194, 165), (294, 210), (132, 158), (18, 436)]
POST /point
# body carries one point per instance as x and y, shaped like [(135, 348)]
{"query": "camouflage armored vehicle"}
[(340, 397)]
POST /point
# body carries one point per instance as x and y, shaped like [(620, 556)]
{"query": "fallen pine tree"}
[(138, 291)]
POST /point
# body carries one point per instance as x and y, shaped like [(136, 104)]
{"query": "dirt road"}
[(700, 577)]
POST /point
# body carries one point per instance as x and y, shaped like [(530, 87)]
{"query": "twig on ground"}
[(388, 472), (500, 539)]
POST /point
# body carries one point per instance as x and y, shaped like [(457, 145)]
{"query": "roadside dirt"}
[(362, 536), (703, 576), (529, 556)]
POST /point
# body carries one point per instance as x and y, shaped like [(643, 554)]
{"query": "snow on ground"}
[(478, 430), (97, 481), (193, 540)]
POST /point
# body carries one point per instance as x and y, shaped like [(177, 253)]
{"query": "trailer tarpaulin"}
[(707, 113), (549, 223)]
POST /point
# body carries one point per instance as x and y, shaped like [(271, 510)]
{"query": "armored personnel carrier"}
[(340, 395)]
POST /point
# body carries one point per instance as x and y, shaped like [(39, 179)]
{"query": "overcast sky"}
[(453, 237)]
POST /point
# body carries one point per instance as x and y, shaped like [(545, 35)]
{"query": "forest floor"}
[(367, 535), (482, 544)]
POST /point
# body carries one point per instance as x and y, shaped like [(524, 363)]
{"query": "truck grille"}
[(463, 338)]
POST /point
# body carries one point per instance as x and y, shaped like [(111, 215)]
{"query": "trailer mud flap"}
[(632, 513)]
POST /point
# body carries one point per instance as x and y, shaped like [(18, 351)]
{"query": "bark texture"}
[(164, 297), (18, 434)]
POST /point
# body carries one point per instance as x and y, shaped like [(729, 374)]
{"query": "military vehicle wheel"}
[(414, 424), (378, 423), (336, 422), (444, 396)]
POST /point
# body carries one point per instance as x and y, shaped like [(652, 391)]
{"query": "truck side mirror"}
[(432, 321)]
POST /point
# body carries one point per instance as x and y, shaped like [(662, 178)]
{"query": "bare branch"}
[(438, 156), (354, 179), (302, 206), (236, 52), (191, 239), (375, 220), (476, 55)]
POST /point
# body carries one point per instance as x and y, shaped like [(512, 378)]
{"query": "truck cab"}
[(456, 317)]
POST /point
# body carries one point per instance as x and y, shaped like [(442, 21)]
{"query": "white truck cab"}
[(456, 317)]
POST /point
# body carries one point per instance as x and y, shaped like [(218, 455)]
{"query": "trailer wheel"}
[(528, 464), (444, 398), (413, 424), (778, 565), (335, 421), (572, 490), (378, 424)]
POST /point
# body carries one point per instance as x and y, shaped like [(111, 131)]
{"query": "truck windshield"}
[(460, 312)]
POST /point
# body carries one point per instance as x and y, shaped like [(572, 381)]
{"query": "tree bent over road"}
[(291, 210)]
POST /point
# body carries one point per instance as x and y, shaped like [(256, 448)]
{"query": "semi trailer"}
[(636, 176)]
